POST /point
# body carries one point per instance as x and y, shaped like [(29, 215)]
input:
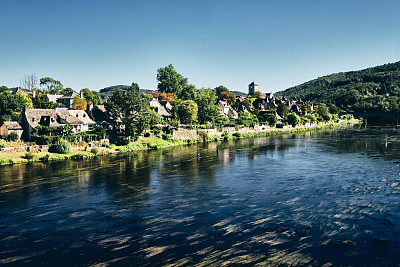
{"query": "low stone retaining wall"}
[(17, 149), (192, 134)]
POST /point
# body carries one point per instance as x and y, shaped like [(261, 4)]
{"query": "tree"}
[(228, 97), (293, 119), (170, 81), (128, 113), (51, 86), (267, 118), (206, 101), (91, 97), (219, 90), (27, 100), (258, 94), (65, 91), (10, 106), (282, 110), (79, 103), (323, 111), (42, 101), (189, 92), (188, 112), (29, 82)]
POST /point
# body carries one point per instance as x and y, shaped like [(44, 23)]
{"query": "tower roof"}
[(253, 83)]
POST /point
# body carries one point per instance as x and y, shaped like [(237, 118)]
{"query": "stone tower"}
[(252, 88)]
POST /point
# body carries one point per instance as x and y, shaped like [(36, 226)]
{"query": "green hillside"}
[(108, 91), (372, 89)]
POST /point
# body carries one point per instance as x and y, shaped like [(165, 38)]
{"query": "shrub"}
[(13, 136), (94, 150), (28, 155), (237, 135), (78, 156), (45, 158), (61, 146)]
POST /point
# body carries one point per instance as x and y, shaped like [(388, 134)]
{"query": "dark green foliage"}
[(207, 110), (188, 112), (293, 119), (51, 85), (94, 150), (237, 135), (42, 101), (13, 136), (373, 89), (128, 112), (91, 97), (170, 81), (10, 106), (28, 155), (267, 118), (61, 146), (282, 110), (247, 120)]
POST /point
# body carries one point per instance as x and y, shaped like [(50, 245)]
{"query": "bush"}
[(237, 135), (28, 155), (94, 150), (61, 146), (45, 158), (13, 136)]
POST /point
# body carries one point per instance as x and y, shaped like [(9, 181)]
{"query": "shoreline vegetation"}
[(152, 142)]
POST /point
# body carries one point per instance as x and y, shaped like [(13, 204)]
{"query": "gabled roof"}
[(69, 96), (253, 83), (34, 117), (53, 98), (163, 111), (75, 116), (12, 125)]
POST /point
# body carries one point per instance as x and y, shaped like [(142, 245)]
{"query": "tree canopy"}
[(170, 81), (51, 86), (128, 112)]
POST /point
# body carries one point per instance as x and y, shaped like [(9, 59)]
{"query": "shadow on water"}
[(313, 198)]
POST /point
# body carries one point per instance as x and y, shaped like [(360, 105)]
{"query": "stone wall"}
[(192, 134), (17, 149)]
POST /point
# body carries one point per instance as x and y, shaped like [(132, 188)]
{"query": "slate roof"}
[(12, 125)]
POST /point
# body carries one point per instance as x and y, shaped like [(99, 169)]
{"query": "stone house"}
[(31, 118), (67, 99), (226, 110)]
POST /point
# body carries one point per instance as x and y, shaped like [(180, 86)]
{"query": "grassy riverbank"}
[(146, 143)]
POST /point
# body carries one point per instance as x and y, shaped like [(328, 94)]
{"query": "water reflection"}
[(303, 199)]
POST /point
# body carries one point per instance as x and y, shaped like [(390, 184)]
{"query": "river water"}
[(320, 198)]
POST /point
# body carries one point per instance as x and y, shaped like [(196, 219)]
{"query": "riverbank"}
[(152, 142)]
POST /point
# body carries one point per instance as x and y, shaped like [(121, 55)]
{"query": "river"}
[(318, 198)]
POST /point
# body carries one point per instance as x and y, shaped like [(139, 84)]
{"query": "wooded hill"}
[(372, 89)]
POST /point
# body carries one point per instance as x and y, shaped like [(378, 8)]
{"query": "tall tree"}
[(29, 82), (10, 106), (128, 112), (170, 81), (91, 97), (51, 86), (27, 100), (219, 90), (206, 101), (188, 111)]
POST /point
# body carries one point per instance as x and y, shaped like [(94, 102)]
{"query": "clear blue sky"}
[(279, 44)]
